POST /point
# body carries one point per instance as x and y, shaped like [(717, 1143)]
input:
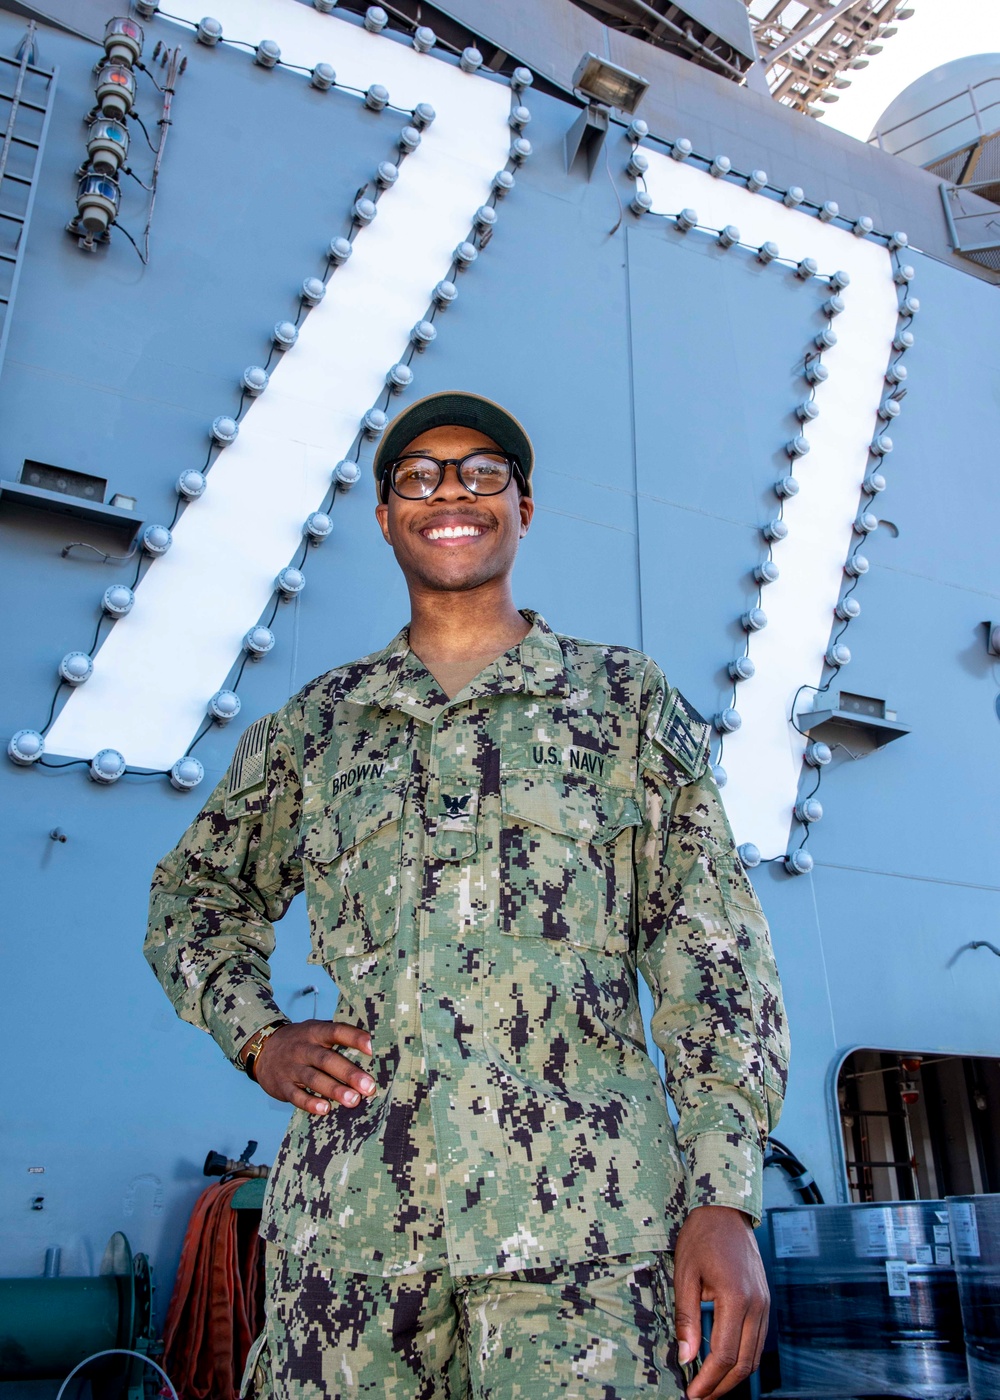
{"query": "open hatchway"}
[(919, 1126)]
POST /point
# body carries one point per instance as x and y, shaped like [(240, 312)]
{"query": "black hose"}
[(799, 1177)]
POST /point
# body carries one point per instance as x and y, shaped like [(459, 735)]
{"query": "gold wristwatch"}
[(255, 1044)]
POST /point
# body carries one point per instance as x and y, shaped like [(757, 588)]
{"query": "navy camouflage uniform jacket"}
[(485, 877)]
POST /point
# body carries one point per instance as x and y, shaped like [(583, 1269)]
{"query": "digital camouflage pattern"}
[(598, 1330), (484, 876)]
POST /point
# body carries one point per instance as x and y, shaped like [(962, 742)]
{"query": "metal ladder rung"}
[(28, 67), (23, 102), (14, 237)]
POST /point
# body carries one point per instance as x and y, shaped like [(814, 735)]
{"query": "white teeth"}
[(453, 532)]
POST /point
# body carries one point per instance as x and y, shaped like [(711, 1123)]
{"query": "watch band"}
[(255, 1044)]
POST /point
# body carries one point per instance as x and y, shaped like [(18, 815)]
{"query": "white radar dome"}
[(946, 112)]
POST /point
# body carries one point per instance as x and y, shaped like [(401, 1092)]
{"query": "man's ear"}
[(382, 516), (526, 508)]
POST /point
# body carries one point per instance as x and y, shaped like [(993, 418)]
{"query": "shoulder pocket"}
[(351, 854)]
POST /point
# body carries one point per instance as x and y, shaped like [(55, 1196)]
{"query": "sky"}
[(938, 31)]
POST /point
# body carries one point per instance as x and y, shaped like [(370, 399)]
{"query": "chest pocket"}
[(351, 856), (566, 860)]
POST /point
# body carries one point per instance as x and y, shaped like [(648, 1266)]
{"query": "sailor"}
[(482, 1191)]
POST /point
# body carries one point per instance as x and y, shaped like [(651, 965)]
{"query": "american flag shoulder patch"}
[(249, 766), (684, 734)]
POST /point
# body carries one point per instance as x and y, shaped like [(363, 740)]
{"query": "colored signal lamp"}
[(107, 146), (115, 90), (97, 201), (123, 40)]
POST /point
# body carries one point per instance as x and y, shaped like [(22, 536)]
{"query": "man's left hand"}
[(717, 1260)]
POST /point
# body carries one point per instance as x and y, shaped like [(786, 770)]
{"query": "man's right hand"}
[(298, 1065)]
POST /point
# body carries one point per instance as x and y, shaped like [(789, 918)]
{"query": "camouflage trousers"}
[(600, 1330)]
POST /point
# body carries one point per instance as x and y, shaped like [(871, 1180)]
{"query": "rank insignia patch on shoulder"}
[(249, 765), (684, 734)]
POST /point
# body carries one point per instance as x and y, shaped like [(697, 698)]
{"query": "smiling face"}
[(455, 540)]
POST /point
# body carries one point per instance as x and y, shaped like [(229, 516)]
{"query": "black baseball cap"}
[(463, 410)]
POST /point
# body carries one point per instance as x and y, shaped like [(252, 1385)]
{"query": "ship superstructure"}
[(761, 383)]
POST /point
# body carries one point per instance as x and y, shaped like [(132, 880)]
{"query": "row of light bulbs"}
[(27, 746), (76, 668), (728, 720), (809, 810), (756, 181), (267, 52)]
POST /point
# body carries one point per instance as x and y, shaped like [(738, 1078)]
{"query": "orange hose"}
[(214, 1312)]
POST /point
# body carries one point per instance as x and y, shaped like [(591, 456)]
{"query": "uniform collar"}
[(542, 661), (395, 678)]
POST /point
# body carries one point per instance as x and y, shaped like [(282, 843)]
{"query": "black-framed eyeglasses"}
[(416, 476)]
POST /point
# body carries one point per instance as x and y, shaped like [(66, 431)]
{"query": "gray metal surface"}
[(749, 127), (658, 383), (721, 17), (686, 100), (692, 30)]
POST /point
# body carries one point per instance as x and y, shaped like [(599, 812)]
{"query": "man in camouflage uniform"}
[(496, 827)]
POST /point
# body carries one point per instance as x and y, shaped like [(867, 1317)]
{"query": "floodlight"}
[(601, 81)]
